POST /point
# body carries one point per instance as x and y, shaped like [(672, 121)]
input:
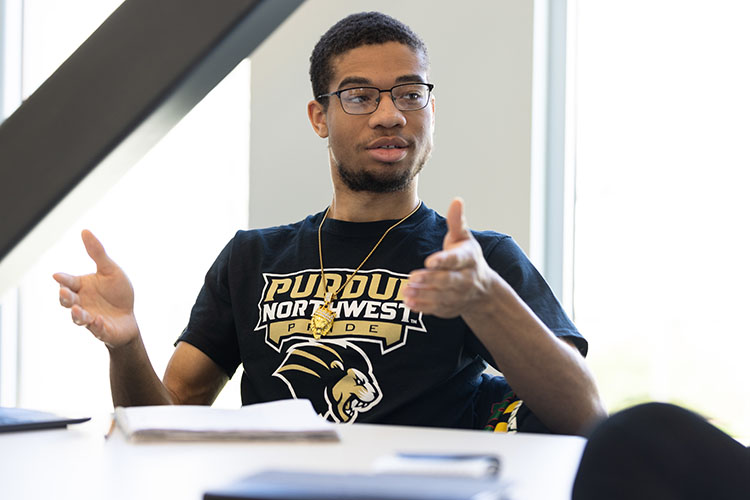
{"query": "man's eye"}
[(358, 97), (411, 96)]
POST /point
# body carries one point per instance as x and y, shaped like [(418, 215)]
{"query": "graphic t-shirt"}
[(381, 362)]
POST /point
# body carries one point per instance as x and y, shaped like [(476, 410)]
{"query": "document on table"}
[(289, 419)]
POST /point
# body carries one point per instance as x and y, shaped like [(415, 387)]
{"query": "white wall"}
[(482, 154)]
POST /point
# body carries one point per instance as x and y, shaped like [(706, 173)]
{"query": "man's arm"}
[(191, 377), (549, 374), (103, 303)]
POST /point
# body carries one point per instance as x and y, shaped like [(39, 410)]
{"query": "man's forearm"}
[(548, 374), (133, 379)]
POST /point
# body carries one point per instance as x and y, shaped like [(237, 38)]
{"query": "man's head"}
[(377, 142), (364, 28)]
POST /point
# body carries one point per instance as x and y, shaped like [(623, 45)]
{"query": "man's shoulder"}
[(283, 231), (489, 239), (501, 250), (268, 242)]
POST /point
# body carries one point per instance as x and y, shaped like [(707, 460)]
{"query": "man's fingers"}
[(96, 251), (456, 258), (414, 295), (80, 315), (430, 300), (441, 260), (439, 282), (67, 297), (95, 324), (66, 280), (97, 327)]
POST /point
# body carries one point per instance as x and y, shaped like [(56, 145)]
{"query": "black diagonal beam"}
[(145, 67)]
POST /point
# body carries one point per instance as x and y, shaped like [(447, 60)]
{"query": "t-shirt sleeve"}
[(512, 264), (211, 326)]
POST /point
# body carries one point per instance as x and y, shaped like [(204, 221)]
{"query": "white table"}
[(80, 463)]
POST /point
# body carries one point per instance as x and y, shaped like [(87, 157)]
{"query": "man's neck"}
[(368, 207)]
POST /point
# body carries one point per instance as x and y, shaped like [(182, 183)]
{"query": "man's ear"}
[(317, 116), (432, 103)]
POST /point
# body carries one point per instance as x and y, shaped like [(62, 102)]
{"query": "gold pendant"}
[(322, 319)]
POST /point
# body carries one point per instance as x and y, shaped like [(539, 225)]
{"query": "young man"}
[(378, 309)]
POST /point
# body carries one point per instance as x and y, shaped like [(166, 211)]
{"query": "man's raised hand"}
[(102, 301), (454, 279)]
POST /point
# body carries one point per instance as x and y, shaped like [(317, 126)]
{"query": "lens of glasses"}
[(364, 100), (360, 101), (411, 96)]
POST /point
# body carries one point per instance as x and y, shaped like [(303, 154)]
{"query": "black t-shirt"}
[(381, 362)]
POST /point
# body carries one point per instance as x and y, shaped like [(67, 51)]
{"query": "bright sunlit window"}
[(164, 222), (662, 245)]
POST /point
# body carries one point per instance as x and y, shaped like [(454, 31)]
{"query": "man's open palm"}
[(102, 301)]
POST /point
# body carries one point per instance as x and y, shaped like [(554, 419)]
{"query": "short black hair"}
[(355, 30)]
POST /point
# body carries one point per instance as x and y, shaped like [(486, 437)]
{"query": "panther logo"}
[(335, 375)]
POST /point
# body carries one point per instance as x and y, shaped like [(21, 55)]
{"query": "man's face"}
[(383, 151)]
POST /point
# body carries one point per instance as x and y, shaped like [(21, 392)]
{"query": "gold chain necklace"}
[(322, 319)]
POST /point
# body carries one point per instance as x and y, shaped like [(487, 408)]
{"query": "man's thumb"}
[(457, 228), (96, 251)]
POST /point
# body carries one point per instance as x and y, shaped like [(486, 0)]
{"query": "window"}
[(164, 222), (661, 268)]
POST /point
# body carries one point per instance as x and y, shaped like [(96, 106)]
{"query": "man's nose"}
[(387, 115)]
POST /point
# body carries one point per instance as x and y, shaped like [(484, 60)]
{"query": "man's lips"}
[(388, 149)]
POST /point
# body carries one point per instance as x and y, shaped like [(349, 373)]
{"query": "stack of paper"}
[(286, 419)]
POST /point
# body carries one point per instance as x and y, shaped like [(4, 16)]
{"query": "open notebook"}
[(20, 419)]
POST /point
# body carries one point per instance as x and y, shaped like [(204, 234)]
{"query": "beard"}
[(361, 180)]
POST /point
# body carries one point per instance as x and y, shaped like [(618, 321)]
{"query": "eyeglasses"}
[(365, 100)]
